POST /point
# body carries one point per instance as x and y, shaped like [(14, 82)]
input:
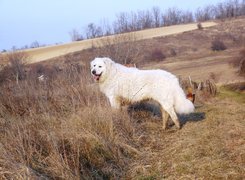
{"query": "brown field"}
[(64, 128), (45, 53)]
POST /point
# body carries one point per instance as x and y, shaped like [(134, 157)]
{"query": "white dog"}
[(119, 83)]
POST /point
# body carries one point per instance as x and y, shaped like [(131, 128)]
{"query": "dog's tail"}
[(181, 104)]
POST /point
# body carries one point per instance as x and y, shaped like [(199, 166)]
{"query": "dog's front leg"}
[(115, 103)]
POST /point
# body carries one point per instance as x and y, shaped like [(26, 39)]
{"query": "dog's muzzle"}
[(96, 76)]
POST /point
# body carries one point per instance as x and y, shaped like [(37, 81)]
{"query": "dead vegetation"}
[(200, 91), (15, 67), (63, 127), (156, 55), (239, 62), (124, 48), (218, 45)]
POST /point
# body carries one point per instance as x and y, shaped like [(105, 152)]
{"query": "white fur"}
[(119, 82)]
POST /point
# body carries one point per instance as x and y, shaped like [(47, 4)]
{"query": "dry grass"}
[(187, 54), (45, 53), (64, 128), (239, 61), (210, 146), (61, 128)]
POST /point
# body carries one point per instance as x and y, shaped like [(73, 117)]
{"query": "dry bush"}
[(199, 26), (62, 128), (203, 90), (155, 55), (242, 67), (218, 45), (208, 88), (15, 69), (239, 62), (214, 77), (173, 52), (123, 48)]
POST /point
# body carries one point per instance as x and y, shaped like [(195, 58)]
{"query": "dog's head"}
[(100, 68)]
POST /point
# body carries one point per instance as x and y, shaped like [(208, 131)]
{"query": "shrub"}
[(239, 62), (218, 45), (173, 52), (15, 70), (157, 55), (121, 48), (242, 67), (242, 62), (214, 76), (199, 26)]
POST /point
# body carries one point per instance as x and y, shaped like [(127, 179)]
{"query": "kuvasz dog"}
[(120, 83)]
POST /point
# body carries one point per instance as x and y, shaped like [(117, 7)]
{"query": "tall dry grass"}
[(61, 127)]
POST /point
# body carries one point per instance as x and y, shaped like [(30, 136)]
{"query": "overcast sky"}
[(50, 21)]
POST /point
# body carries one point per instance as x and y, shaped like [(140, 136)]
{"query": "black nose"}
[(93, 72)]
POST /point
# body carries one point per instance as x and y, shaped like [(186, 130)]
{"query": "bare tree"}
[(220, 11), (187, 17), (75, 35), (93, 31), (145, 19), (106, 28), (121, 48), (236, 8), (231, 8), (16, 67), (35, 44), (121, 25), (133, 22), (156, 16), (171, 17), (128, 22), (242, 8), (205, 14)]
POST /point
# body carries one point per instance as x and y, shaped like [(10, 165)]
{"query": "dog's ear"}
[(108, 62)]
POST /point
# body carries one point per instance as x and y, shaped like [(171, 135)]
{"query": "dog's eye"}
[(94, 65), (100, 66)]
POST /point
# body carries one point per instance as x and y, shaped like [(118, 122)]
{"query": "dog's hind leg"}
[(169, 111), (165, 118), (173, 116)]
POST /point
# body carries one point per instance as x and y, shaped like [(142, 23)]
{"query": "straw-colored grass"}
[(64, 128)]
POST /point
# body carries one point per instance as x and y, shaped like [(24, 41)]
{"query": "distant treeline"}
[(155, 17)]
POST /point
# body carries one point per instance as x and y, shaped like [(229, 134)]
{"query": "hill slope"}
[(187, 54), (62, 127), (45, 53)]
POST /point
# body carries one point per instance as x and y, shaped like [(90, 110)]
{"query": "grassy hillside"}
[(62, 127), (45, 53), (65, 129), (185, 54)]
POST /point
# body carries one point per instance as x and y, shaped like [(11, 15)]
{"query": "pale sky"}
[(50, 21)]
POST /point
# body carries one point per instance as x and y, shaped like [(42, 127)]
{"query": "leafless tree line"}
[(228, 9), (155, 17)]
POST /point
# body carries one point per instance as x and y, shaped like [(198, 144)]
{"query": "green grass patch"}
[(228, 93)]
